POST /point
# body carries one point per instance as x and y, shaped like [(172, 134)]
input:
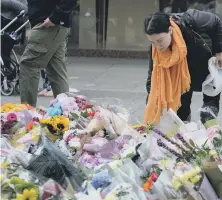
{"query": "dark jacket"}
[(202, 32), (58, 11)]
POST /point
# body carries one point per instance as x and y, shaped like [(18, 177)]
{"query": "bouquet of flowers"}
[(56, 125), (18, 183)]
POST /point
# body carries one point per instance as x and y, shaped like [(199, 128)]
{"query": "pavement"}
[(109, 80)]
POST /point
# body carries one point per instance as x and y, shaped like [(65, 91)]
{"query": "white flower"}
[(72, 124), (62, 146), (75, 143), (79, 131), (66, 134)]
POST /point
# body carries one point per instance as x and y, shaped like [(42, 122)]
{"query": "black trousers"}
[(213, 103)]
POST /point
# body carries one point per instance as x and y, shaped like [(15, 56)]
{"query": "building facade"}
[(114, 28)]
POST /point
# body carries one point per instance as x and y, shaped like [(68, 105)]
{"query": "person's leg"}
[(40, 49), (210, 109), (33, 59), (184, 112), (56, 68)]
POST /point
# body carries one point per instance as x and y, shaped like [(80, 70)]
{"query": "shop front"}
[(114, 28)]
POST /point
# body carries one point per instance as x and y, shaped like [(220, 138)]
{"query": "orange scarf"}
[(170, 77)]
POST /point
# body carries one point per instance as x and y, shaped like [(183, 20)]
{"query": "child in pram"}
[(13, 23), (10, 9)]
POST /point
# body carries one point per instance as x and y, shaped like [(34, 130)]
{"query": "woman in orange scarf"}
[(179, 61)]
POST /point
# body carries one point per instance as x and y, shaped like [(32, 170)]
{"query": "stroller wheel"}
[(17, 87), (8, 91)]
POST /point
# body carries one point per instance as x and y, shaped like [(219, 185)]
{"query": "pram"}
[(9, 60)]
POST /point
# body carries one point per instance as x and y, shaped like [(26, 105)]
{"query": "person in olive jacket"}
[(50, 22), (182, 44)]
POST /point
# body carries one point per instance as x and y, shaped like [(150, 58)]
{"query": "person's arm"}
[(148, 81), (207, 22), (63, 9)]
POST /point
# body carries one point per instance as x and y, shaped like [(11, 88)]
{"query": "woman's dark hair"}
[(157, 23)]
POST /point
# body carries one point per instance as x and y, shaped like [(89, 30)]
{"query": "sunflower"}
[(64, 123), (31, 194), (56, 123)]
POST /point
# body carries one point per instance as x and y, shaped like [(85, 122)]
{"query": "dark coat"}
[(58, 11), (202, 32)]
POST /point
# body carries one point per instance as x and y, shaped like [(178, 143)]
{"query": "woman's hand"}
[(219, 59)]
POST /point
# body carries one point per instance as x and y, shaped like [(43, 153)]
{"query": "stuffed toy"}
[(110, 122)]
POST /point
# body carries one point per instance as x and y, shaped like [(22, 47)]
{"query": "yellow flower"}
[(192, 173), (20, 146), (164, 162), (12, 107), (31, 194), (2, 179), (137, 126), (111, 197), (176, 184), (59, 123), (17, 180), (184, 178), (115, 164), (197, 169), (16, 137), (36, 138), (5, 164), (195, 179), (65, 122), (181, 164), (44, 121), (213, 153)]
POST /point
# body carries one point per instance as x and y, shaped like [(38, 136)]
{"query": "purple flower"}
[(35, 119)]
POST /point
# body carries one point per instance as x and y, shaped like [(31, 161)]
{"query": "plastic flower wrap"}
[(113, 124), (92, 193), (215, 136), (11, 122), (48, 161), (122, 191), (170, 123), (209, 115), (148, 152), (151, 177), (18, 183), (65, 104), (123, 186), (185, 177), (114, 105)]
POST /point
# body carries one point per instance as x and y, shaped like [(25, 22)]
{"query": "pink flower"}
[(211, 132), (154, 177), (12, 117), (67, 136)]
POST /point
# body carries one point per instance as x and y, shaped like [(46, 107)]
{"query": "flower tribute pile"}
[(77, 150)]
